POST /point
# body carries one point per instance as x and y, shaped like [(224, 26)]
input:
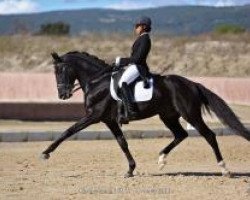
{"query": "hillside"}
[(181, 20), (204, 55)]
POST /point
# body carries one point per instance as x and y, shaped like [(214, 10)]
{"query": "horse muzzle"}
[(65, 92), (65, 96)]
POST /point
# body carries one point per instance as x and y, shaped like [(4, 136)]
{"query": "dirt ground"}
[(94, 170)]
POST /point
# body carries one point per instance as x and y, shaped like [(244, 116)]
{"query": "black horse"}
[(173, 97)]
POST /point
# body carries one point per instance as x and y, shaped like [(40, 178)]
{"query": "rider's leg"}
[(143, 71), (128, 76), (127, 98)]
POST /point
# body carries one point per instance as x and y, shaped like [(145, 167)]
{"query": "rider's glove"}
[(117, 61), (115, 67)]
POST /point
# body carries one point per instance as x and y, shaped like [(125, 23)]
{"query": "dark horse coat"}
[(173, 97)]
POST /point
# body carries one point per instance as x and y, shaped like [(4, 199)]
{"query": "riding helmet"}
[(143, 21)]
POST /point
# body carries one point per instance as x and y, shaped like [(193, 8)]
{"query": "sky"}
[(31, 6)]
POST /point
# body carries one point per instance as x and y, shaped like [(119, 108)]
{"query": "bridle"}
[(72, 87)]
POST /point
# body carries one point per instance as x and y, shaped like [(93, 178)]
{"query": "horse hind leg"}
[(210, 137), (179, 133)]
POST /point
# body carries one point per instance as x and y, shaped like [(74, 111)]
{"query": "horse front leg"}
[(117, 132), (83, 123)]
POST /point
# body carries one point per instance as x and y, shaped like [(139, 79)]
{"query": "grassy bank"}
[(205, 55)]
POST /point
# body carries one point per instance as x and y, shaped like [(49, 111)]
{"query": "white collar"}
[(144, 34)]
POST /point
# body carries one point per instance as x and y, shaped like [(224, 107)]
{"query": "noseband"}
[(73, 88)]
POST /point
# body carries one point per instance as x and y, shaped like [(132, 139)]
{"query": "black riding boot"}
[(129, 108)]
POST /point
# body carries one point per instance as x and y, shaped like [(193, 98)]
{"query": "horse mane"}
[(90, 58), (105, 68)]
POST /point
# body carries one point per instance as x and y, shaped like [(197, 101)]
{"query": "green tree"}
[(58, 28), (229, 28)]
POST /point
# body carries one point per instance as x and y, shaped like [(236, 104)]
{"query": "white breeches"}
[(130, 74)]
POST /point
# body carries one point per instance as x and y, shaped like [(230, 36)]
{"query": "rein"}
[(77, 86), (76, 89)]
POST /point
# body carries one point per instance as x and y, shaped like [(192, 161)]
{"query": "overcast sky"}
[(28, 6)]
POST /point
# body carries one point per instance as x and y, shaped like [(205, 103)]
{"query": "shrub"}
[(58, 28), (229, 28)]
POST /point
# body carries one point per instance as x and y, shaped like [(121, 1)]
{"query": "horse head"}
[(65, 77)]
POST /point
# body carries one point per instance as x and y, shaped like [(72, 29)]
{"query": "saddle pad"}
[(140, 93)]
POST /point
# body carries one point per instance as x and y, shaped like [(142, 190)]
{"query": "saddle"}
[(140, 94)]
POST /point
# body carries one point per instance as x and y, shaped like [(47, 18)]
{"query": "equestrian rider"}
[(136, 64)]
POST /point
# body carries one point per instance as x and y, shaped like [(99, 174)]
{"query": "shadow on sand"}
[(212, 174)]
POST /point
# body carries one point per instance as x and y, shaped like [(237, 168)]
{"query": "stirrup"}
[(132, 113), (123, 120)]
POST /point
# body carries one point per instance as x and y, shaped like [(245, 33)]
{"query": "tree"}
[(58, 28)]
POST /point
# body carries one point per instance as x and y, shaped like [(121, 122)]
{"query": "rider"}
[(136, 64)]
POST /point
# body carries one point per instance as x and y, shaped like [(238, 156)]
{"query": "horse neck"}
[(85, 73)]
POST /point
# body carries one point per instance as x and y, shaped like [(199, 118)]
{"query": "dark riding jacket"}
[(140, 51)]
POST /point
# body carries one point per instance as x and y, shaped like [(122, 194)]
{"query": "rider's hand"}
[(146, 84), (115, 67)]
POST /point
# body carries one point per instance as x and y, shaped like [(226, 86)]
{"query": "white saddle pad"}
[(140, 94)]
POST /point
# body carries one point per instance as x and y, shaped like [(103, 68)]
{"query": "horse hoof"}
[(226, 174), (161, 166), (161, 161), (45, 156), (128, 175)]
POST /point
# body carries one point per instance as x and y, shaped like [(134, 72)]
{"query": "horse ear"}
[(56, 57)]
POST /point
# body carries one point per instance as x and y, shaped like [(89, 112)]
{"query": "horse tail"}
[(212, 101)]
